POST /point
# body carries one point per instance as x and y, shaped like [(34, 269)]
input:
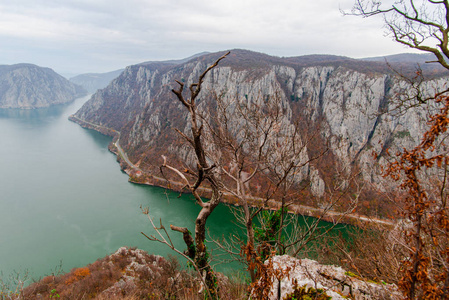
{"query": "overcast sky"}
[(82, 36)]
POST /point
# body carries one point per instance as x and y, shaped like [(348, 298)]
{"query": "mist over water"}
[(64, 198)]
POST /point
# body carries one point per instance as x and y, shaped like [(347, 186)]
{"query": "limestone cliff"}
[(341, 97), (29, 86)]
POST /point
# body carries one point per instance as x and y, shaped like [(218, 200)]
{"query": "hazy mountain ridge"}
[(176, 61), (408, 63), (30, 86), (341, 96), (95, 81)]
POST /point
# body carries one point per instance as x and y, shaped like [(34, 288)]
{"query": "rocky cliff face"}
[(28, 86), (340, 97)]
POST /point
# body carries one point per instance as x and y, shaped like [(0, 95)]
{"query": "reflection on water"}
[(102, 141), (33, 114)]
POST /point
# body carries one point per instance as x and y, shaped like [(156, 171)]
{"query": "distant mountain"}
[(95, 81), (409, 62), (30, 86), (176, 61), (403, 57)]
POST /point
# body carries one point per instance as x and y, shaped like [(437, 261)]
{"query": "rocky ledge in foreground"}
[(134, 274), (331, 281), (126, 274)]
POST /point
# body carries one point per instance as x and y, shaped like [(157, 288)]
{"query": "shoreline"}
[(138, 176)]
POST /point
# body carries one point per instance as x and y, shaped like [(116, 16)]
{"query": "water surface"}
[(63, 196)]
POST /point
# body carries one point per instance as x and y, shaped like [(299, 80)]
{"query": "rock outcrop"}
[(334, 281), (28, 86), (128, 273)]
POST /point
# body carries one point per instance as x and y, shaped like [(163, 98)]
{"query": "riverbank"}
[(139, 176)]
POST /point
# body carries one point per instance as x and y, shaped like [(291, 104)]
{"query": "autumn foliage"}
[(422, 173), (78, 274)]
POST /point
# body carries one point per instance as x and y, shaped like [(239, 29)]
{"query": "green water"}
[(64, 198)]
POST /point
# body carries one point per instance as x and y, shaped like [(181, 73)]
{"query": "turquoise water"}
[(63, 196)]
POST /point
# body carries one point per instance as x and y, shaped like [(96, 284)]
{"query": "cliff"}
[(29, 86), (340, 98)]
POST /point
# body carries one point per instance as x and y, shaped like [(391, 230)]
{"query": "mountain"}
[(30, 86), (177, 61), (339, 98), (95, 81), (409, 62), (416, 58)]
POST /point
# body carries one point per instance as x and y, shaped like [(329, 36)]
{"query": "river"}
[(64, 198)]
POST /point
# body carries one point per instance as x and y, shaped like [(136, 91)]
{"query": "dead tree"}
[(242, 141), (252, 151), (204, 173)]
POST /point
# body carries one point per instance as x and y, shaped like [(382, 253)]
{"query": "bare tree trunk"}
[(202, 257), (204, 172), (250, 245)]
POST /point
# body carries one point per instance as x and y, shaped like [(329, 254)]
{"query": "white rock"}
[(335, 281)]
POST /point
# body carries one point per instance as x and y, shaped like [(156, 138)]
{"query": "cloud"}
[(97, 36)]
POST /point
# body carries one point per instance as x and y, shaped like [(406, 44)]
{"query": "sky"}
[(95, 36)]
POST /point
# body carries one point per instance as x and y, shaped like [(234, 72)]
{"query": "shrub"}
[(305, 293)]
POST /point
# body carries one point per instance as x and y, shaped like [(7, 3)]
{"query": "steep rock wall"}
[(342, 103)]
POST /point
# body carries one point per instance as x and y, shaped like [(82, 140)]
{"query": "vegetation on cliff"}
[(29, 86), (126, 274)]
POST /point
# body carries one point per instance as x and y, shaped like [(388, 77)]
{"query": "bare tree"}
[(164, 237), (255, 151), (204, 173), (261, 155), (263, 149), (421, 25), (254, 143)]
